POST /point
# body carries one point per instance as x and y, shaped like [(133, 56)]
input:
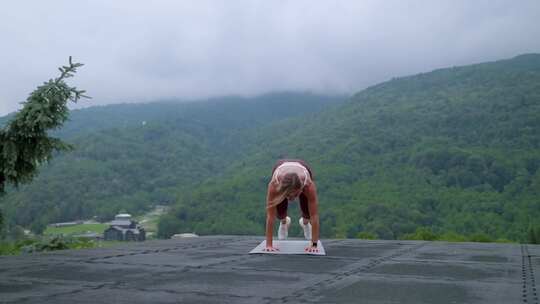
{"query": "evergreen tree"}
[(24, 142)]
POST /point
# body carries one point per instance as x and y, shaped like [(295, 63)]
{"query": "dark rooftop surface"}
[(218, 269)]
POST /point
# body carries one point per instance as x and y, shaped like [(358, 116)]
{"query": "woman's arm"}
[(313, 202), (270, 215)]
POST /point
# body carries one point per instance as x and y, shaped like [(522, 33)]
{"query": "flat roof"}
[(218, 269)]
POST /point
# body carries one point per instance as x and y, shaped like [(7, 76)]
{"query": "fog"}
[(137, 51)]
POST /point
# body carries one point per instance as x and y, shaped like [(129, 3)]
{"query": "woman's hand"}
[(270, 249), (312, 248)]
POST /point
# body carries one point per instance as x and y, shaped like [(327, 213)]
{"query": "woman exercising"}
[(292, 178)]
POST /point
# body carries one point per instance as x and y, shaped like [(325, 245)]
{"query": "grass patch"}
[(76, 229)]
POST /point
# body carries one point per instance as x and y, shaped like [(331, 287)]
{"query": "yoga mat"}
[(289, 247)]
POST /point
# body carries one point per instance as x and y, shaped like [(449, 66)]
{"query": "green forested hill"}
[(451, 153), (131, 157)]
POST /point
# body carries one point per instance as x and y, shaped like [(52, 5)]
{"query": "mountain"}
[(131, 157), (453, 153), (449, 154)]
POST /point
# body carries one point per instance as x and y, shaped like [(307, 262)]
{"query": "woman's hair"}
[(290, 183)]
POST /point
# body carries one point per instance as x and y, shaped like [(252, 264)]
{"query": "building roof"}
[(88, 235), (65, 224), (123, 216), (121, 223), (218, 269), (184, 235)]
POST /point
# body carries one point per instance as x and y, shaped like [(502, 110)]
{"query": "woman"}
[(292, 178)]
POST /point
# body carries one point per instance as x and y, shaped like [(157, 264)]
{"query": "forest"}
[(130, 157), (452, 154)]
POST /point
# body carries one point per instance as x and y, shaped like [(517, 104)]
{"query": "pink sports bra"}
[(287, 167)]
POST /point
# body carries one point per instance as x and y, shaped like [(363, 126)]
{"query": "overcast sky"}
[(146, 50)]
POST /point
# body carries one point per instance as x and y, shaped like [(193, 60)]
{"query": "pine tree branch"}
[(24, 143)]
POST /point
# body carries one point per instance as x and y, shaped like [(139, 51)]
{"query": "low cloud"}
[(142, 51)]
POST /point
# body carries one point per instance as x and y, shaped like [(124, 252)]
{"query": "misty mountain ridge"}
[(453, 151), (178, 144), (133, 114)]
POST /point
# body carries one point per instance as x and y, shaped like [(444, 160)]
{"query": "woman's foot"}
[(283, 230), (306, 228)]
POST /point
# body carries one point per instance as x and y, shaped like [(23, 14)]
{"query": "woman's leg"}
[(305, 220), (284, 220), (304, 207), (282, 210)]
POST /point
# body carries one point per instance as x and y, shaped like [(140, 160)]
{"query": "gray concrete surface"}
[(218, 269)]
